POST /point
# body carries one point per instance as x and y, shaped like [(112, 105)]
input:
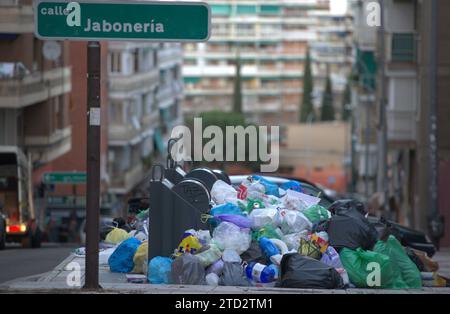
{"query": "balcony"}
[(169, 57), (128, 134), (133, 82), (124, 182), (16, 19), (49, 147), (18, 92)]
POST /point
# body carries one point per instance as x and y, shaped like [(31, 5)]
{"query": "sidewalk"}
[(55, 282)]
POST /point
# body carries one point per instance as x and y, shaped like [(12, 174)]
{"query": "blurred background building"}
[(270, 40), (409, 94)]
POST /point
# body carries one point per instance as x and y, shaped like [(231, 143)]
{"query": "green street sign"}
[(65, 177), (122, 20)]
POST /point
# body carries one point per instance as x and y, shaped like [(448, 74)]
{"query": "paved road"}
[(16, 262)]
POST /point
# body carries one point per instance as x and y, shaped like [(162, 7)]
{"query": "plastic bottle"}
[(261, 273), (268, 248)]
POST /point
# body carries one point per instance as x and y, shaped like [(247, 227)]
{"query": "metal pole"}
[(93, 165), (367, 154), (435, 221), (382, 179)]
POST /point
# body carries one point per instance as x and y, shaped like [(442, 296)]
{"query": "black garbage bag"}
[(254, 254), (349, 228), (347, 205), (188, 270), (298, 271), (233, 275)]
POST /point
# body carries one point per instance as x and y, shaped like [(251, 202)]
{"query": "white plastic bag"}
[(294, 222), (231, 256), (293, 240), (212, 279), (204, 236), (222, 193), (264, 216), (210, 255), (294, 200), (104, 255), (230, 236)]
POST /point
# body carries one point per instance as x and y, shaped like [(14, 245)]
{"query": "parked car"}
[(407, 236)]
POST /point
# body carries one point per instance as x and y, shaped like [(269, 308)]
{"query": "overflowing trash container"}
[(202, 230)]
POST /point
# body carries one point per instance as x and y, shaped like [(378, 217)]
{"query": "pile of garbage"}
[(265, 235)]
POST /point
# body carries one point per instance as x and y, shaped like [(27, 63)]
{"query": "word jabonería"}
[(73, 13)]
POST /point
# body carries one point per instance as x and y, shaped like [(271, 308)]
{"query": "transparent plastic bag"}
[(231, 256), (264, 216), (212, 279), (210, 255), (292, 240), (230, 236), (222, 193), (294, 222), (188, 270)]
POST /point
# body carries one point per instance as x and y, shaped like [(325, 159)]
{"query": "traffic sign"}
[(122, 20), (65, 178)]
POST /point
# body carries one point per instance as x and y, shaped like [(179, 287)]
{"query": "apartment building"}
[(364, 100), (34, 90), (145, 92), (407, 67), (271, 39)]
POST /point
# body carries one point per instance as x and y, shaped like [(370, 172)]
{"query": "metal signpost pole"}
[(93, 21), (93, 165)]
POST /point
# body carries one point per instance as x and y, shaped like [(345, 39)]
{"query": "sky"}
[(338, 6)]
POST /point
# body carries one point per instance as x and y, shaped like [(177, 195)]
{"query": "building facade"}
[(145, 92), (407, 80), (32, 88), (270, 39)]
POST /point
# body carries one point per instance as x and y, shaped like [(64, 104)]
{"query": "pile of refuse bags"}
[(264, 235)]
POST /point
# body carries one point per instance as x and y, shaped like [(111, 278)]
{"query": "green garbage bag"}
[(362, 273), (268, 231), (409, 271), (317, 213)]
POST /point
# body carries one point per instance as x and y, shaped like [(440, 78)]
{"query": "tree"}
[(237, 96), (346, 100), (306, 107), (327, 102)]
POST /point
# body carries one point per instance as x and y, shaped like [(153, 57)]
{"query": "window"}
[(270, 9), (115, 112), (220, 9), (245, 9), (403, 48), (115, 62)]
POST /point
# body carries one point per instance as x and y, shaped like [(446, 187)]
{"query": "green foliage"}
[(237, 95), (327, 103), (306, 106), (346, 100)]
